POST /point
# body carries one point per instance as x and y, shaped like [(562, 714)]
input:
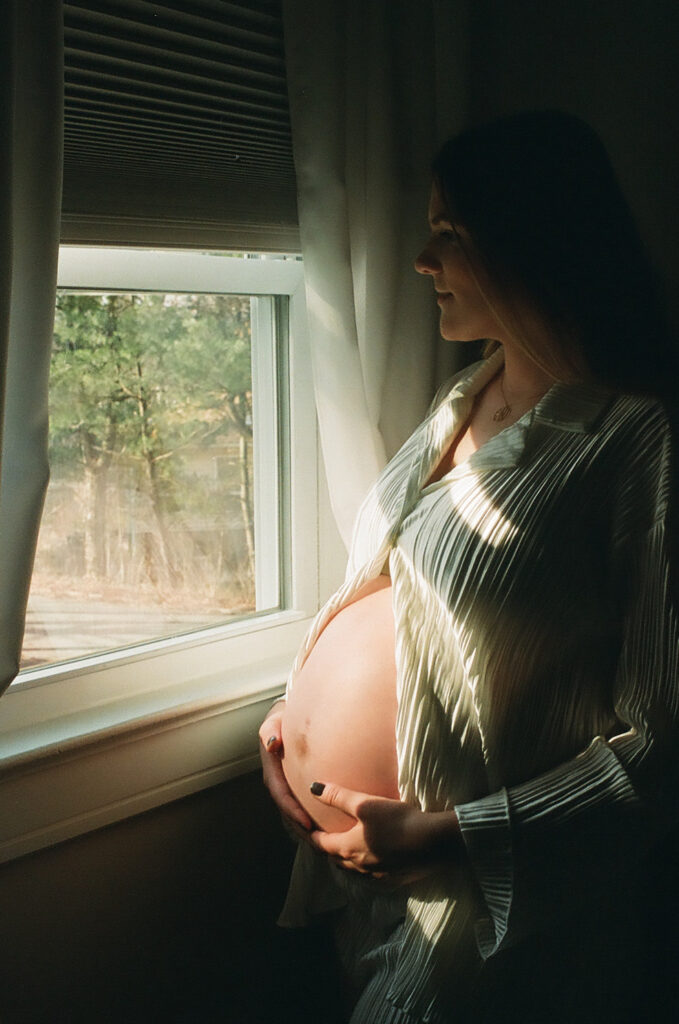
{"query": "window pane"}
[(150, 526)]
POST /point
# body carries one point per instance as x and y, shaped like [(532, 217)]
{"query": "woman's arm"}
[(548, 845)]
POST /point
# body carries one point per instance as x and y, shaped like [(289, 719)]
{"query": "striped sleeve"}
[(545, 846)]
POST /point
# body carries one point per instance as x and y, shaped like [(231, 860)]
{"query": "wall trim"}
[(65, 790)]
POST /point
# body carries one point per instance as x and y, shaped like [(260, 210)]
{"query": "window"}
[(163, 510), (175, 649), (168, 517)]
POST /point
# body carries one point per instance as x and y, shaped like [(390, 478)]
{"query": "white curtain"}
[(374, 88), (31, 80)]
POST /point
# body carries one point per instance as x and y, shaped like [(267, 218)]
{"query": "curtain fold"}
[(30, 177), (374, 88)]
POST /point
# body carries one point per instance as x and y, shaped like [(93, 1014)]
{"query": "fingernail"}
[(317, 788), (271, 739)]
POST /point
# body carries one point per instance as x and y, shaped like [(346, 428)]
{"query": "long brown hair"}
[(538, 197)]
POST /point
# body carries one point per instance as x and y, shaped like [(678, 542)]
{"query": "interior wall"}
[(612, 62), (168, 916)]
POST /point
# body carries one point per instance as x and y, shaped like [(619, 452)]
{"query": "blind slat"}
[(166, 113), (93, 152), (142, 89), (243, 21), (198, 130), (121, 34), (217, 66), (216, 149)]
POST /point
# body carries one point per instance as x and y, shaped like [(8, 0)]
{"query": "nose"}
[(427, 261)]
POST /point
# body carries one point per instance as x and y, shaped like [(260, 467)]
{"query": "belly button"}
[(301, 746)]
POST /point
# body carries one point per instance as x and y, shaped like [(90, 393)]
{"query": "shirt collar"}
[(576, 407)]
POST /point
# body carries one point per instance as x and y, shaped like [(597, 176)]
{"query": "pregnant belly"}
[(339, 723)]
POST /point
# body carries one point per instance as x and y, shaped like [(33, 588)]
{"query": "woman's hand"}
[(270, 751), (390, 838)]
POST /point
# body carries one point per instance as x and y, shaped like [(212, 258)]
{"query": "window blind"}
[(176, 125)]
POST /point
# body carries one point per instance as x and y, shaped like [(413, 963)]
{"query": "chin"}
[(450, 334)]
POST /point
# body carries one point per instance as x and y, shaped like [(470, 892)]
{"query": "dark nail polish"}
[(271, 739), (317, 788)]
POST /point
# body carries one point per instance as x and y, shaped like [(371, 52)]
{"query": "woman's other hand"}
[(270, 751), (390, 838)]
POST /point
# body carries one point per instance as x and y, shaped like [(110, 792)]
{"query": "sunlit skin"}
[(393, 840)]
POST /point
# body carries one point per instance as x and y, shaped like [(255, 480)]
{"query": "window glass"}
[(162, 510)]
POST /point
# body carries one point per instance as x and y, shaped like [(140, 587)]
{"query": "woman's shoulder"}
[(639, 436), (644, 419)]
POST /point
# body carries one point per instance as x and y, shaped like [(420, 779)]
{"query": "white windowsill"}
[(67, 775)]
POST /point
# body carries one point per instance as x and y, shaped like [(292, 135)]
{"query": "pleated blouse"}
[(537, 654)]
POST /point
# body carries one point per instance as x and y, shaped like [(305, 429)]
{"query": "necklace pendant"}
[(502, 413)]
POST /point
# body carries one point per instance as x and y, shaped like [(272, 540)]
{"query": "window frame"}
[(84, 730)]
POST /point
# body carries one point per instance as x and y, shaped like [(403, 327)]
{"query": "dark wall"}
[(613, 62), (169, 916)]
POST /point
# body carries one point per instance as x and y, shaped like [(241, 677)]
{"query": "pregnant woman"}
[(478, 746)]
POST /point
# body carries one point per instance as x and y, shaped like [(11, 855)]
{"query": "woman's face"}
[(465, 315)]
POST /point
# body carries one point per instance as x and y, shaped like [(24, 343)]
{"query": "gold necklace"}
[(503, 412)]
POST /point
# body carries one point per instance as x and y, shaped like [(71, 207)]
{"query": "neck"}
[(523, 379)]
